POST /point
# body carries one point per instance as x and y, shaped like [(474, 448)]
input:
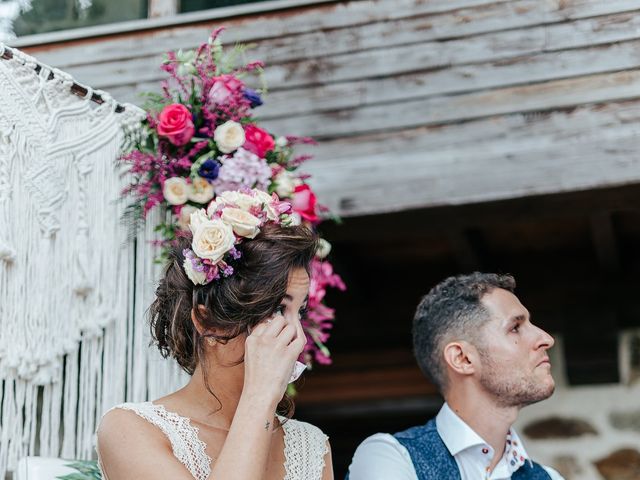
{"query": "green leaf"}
[(74, 476), (87, 470)]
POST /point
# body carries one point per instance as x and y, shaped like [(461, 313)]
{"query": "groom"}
[(474, 339)]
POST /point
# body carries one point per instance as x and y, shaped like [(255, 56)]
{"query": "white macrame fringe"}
[(74, 340)]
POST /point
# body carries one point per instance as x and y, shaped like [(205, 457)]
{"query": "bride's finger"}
[(274, 325), (258, 330)]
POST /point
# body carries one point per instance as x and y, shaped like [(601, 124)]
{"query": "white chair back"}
[(42, 468)]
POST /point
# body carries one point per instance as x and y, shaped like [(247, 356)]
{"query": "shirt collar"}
[(458, 436)]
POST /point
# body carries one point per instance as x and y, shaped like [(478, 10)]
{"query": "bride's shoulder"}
[(307, 450), (125, 422), (124, 434), (300, 426), (298, 432)]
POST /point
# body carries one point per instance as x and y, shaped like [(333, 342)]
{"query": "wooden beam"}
[(365, 376), (487, 215), (415, 179)]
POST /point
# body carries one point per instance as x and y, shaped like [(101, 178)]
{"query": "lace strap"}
[(186, 446), (305, 447)]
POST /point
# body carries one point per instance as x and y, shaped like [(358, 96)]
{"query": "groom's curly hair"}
[(452, 310), (230, 306)]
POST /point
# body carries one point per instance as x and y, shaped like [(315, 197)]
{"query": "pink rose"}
[(222, 88), (304, 203), (258, 141), (176, 124)]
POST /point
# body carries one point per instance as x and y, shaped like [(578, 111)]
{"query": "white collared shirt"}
[(382, 457)]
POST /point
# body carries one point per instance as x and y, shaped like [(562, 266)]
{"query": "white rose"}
[(200, 190), (212, 239), (175, 190), (267, 200), (196, 219), (185, 216), (323, 249), (285, 184), (243, 223), (198, 278), (229, 136), (281, 141), (239, 199)]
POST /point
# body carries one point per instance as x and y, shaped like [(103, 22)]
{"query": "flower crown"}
[(228, 220)]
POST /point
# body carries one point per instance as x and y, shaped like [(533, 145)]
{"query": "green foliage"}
[(87, 470), (153, 101)]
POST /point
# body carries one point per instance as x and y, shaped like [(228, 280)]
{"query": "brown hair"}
[(233, 304), (453, 308)]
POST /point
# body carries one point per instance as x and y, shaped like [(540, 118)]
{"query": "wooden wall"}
[(422, 103)]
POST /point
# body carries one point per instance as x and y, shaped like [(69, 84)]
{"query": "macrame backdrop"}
[(73, 290)]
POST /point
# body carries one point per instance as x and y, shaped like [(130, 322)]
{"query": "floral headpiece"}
[(228, 220), (201, 138)]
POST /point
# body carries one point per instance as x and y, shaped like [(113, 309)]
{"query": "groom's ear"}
[(461, 357)]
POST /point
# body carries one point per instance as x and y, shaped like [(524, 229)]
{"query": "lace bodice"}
[(305, 446)]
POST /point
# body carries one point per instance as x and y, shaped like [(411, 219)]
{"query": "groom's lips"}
[(544, 361)]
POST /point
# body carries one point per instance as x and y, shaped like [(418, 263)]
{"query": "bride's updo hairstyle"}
[(232, 304)]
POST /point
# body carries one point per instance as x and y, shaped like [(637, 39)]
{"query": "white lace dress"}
[(305, 446)]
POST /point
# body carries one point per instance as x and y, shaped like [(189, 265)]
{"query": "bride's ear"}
[(196, 319)]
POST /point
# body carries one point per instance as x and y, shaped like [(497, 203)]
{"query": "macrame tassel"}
[(74, 338), (153, 376), (64, 264)]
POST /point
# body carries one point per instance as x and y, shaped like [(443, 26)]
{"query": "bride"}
[(228, 310)]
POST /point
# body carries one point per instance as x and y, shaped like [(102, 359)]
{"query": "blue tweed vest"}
[(432, 459)]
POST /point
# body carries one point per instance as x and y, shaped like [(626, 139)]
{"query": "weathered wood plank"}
[(392, 61), (485, 134), (344, 386), (318, 18), (423, 179), (437, 110), (367, 30), (421, 56), (520, 71)]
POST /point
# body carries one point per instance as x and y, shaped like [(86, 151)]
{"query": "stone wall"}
[(587, 432)]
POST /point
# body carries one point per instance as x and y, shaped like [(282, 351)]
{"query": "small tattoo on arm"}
[(266, 425)]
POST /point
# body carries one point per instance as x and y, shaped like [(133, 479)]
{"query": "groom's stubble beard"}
[(512, 388)]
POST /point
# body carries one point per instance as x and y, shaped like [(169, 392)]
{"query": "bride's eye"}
[(280, 309), (302, 313)]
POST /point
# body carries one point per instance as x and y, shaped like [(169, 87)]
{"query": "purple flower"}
[(227, 271), (253, 97), (243, 169), (209, 169)]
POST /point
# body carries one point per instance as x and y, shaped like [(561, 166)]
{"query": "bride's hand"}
[(271, 351)]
